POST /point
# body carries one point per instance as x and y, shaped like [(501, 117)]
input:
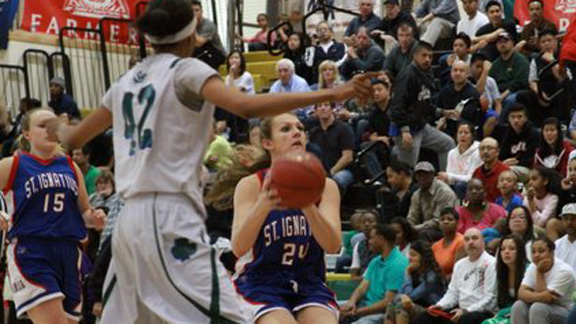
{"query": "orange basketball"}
[(299, 179)]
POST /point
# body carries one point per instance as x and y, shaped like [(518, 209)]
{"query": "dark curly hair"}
[(424, 248)]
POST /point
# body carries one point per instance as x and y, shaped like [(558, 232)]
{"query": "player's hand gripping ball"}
[(299, 178)]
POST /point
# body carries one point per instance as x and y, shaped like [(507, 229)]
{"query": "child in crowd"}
[(508, 186), (542, 201)]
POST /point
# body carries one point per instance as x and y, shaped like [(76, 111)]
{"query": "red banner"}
[(49, 16), (560, 12)]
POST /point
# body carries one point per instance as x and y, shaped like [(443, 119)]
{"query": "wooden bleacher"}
[(262, 66)]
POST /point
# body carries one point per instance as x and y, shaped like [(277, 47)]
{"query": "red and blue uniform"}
[(46, 228), (285, 269)]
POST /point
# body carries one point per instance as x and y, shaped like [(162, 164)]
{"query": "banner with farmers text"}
[(560, 12), (49, 16)]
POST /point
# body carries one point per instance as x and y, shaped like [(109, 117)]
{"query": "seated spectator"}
[(470, 297), (460, 52), (461, 97), (490, 170), (328, 49), (542, 201), (348, 244), (511, 264), (237, 76), (546, 96), (383, 278), (288, 81), (218, 156), (568, 185), (477, 212), (520, 143), (411, 112), (399, 178), (363, 56), (395, 17), (450, 248), (473, 20), (107, 196), (510, 70), (259, 42), (82, 158), (301, 56), (519, 223), (328, 76), (508, 186), (61, 102), (367, 19), (378, 130), (405, 234), (532, 31), (486, 86), (462, 160), (362, 254), (336, 140), (553, 151), (437, 19), (402, 54), (13, 128), (488, 34), (428, 201), (423, 286), (545, 295), (566, 245)]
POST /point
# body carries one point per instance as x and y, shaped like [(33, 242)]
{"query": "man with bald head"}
[(463, 94), (491, 169), (471, 295)]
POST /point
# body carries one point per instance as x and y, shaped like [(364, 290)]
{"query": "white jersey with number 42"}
[(161, 126)]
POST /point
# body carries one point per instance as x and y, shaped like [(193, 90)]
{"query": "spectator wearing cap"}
[(487, 35), (395, 16), (61, 102), (566, 245), (362, 57), (473, 20), (366, 19), (437, 19), (402, 53), (538, 24), (491, 169), (510, 70), (412, 109), (428, 201), (546, 96)]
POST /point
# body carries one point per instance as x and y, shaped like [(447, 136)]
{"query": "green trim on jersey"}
[(214, 313)]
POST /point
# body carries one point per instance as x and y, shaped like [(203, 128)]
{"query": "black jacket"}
[(411, 105), (520, 146)]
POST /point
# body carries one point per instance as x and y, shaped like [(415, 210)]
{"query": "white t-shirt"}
[(161, 126), (245, 81), (472, 286), (560, 278), (471, 26), (566, 251)]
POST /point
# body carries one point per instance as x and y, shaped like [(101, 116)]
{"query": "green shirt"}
[(346, 241), (512, 74), (221, 149), (90, 179), (384, 275)]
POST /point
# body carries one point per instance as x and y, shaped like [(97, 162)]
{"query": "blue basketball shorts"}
[(42, 270)]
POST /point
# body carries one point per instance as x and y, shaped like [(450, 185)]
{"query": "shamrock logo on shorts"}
[(183, 249)]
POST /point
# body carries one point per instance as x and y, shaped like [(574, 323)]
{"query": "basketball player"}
[(50, 208), (281, 270), (163, 269)]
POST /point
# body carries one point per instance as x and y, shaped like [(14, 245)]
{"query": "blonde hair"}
[(23, 144), (220, 195), (323, 66)]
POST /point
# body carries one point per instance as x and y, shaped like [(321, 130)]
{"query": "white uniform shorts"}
[(163, 269)]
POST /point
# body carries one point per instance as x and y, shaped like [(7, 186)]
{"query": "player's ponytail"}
[(23, 143), (221, 193)]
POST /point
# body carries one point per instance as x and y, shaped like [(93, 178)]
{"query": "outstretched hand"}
[(360, 86)]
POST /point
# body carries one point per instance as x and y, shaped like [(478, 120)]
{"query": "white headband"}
[(174, 38)]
